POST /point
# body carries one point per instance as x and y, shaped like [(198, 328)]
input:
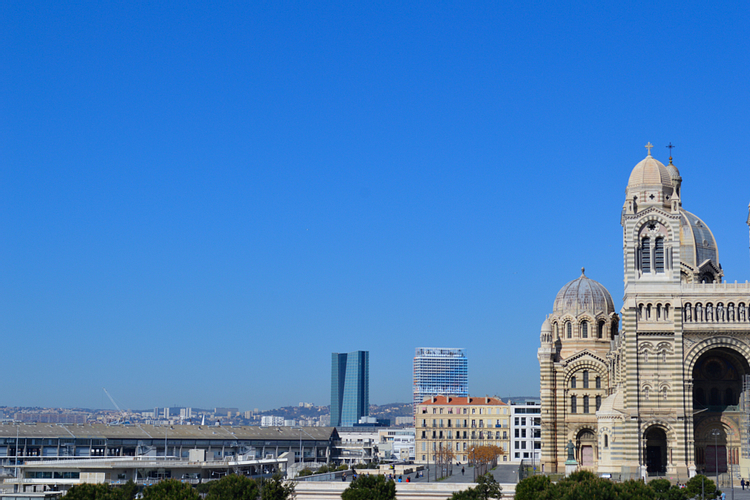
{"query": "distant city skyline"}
[(201, 202)]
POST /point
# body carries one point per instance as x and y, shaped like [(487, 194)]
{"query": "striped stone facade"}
[(672, 369)]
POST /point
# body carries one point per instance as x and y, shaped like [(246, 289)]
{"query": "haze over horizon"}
[(201, 202)]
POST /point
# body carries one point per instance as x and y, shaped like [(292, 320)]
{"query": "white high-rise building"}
[(440, 371)]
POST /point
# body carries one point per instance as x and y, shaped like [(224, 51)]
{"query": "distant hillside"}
[(391, 411)]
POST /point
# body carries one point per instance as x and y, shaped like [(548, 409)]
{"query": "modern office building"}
[(440, 371), (350, 387)]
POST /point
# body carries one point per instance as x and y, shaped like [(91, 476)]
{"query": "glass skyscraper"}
[(440, 371), (350, 387)]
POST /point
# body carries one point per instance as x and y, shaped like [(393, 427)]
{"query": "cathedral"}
[(663, 387)]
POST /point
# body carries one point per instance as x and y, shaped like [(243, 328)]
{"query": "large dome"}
[(583, 295), (697, 242), (649, 172)]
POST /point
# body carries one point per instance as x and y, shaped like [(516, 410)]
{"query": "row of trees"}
[(230, 487), (584, 485)]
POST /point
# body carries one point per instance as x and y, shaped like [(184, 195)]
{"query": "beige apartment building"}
[(456, 423)]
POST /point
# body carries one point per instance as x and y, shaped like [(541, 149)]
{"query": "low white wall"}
[(319, 490)]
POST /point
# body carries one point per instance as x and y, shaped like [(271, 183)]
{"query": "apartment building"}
[(457, 423)]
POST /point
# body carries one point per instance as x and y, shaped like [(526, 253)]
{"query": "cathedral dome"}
[(697, 242), (583, 295), (650, 172)]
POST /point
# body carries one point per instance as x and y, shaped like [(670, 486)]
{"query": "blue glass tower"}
[(350, 387)]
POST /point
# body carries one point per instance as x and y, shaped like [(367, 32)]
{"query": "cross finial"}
[(649, 146), (670, 152)]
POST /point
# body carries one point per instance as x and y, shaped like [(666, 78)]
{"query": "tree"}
[(234, 487), (693, 487), (370, 488), (487, 487), (532, 487), (276, 489), (170, 489), (87, 491)]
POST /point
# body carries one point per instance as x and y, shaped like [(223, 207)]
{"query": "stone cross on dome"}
[(649, 146)]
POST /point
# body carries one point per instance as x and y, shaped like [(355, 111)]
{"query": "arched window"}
[(659, 255), (600, 331), (572, 382), (557, 331), (569, 329), (646, 255), (714, 399), (598, 382), (585, 404), (606, 441), (598, 402), (729, 397), (585, 329), (585, 379), (573, 408)]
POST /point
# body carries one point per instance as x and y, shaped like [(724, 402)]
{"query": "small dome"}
[(650, 172), (583, 295), (546, 326), (674, 174)]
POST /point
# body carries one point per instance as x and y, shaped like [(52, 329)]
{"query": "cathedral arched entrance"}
[(718, 384), (656, 450), (586, 445)]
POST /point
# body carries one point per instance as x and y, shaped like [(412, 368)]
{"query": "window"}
[(518, 433), (600, 331), (659, 255), (523, 445), (518, 445), (646, 255), (585, 379), (598, 402), (523, 420), (585, 329), (434, 410), (585, 404), (569, 330), (517, 420), (523, 433), (606, 441), (598, 382), (572, 384), (572, 404)]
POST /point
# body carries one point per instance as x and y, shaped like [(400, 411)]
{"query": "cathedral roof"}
[(650, 172), (583, 295), (697, 243)]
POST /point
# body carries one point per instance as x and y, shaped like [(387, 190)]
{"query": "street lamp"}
[(716, 433)]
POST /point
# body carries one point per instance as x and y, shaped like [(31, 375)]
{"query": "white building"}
[(525, 431), (271, 421)]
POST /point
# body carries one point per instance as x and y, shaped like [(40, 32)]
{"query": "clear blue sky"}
[(199, 202)]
